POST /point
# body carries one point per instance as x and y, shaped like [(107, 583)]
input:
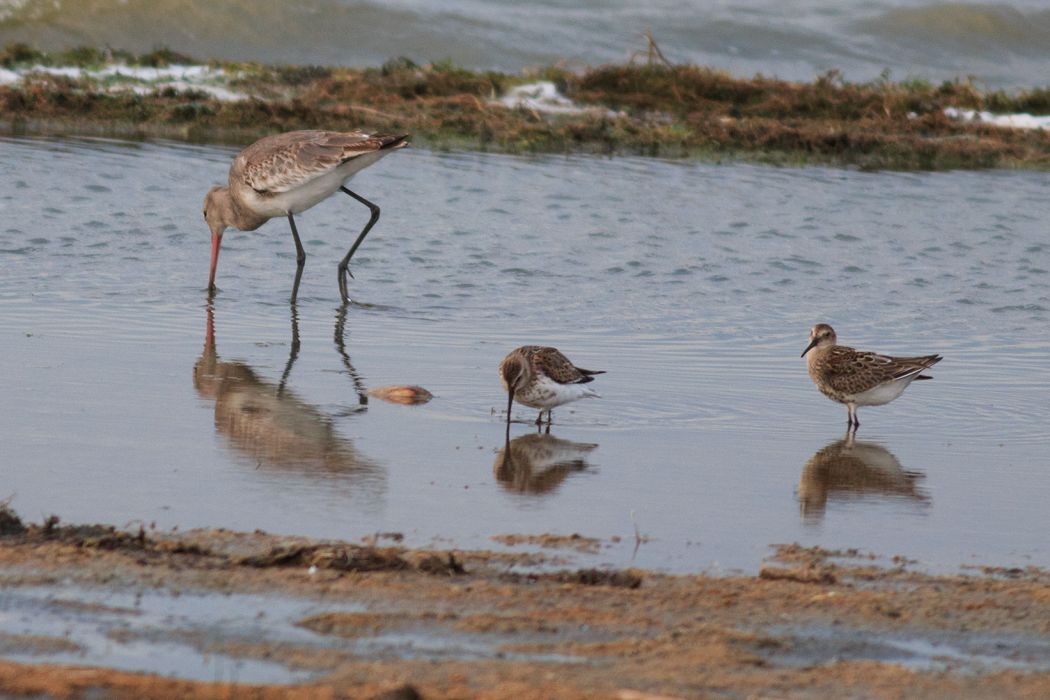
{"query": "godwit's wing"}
[(287, 161), (850, 371)]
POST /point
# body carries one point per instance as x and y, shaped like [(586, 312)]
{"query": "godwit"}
[(859, 378), (543, 378), (288, 173)]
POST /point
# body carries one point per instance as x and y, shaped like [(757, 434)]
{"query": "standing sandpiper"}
[(288, 173), (859, 378), (543, 378)]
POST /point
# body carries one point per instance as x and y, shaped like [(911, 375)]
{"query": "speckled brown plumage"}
[(285, 161), (542, 377), (551, 362), (858, 378), (841, 371)]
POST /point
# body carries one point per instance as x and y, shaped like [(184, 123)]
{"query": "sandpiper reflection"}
[(849, 469), (539, 462), (266, 422)]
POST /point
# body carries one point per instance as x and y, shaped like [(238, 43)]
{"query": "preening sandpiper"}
[(858, 378), (543, 378), (285, 174)]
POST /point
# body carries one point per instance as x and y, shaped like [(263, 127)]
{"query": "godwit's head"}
[(218, 209), (821, 336), (218, 213)]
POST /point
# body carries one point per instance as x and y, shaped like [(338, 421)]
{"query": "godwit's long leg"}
[(300, 258), (343, 269), (340, 345), (293, 353)]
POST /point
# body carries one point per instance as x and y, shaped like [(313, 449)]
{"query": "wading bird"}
[(543, 378), (858, 378), (285, 174)]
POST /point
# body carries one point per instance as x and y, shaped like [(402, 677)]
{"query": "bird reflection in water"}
[(849, 469), (266, 422), (538, 462)]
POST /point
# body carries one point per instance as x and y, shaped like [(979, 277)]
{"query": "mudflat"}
[(390, 622)]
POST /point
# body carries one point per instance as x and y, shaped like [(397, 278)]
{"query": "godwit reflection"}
[(268, 423), (538, 463), (849, 469)]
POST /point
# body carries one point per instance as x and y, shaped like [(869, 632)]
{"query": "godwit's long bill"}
[(285, 174), (541, 377), (858, 378)]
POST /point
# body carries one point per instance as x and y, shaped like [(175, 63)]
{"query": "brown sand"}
[(633, 635)]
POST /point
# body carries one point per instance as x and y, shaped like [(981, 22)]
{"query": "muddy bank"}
[(812, 624), (646, 107)]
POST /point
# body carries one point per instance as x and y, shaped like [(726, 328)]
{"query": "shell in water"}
[(401, 393)]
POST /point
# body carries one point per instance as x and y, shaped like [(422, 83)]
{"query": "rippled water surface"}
[(693, 285)]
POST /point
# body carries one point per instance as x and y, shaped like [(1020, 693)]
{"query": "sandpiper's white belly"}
[(883, 393), (544, 393), (299, 199)]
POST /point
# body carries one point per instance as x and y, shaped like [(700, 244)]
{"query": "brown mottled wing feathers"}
[(851, 372), (285, 161), (558, 367)]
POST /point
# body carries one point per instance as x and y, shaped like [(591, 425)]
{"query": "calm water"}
[(694, 285), (1000, 44)]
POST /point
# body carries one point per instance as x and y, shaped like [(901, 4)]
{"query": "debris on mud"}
[(574, 541)]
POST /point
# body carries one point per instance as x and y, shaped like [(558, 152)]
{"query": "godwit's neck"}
[(236, 214)]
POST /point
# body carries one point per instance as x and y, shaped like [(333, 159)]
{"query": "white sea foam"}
[(1009, 121), (139, 79), (543, 96)]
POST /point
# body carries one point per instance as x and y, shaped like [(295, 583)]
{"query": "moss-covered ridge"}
[(648, 109)]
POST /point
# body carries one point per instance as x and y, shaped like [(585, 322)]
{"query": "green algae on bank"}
[(643, 109)]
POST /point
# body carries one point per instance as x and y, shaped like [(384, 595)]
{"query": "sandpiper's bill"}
[(288, 173), (541, 377), (858, 378)]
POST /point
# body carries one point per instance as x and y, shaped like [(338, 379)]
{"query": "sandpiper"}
[(541, 377), (858, 378), (288, 173)]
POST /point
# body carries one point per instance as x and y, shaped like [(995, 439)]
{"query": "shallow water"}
[(1000, 44), (934, 651), (694, 285), (212, 637)]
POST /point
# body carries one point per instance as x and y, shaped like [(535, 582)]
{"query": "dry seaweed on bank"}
[(335, 557), (655, 109), (627, 578)]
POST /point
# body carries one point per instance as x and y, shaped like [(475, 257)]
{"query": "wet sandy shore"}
[(811, 624)]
